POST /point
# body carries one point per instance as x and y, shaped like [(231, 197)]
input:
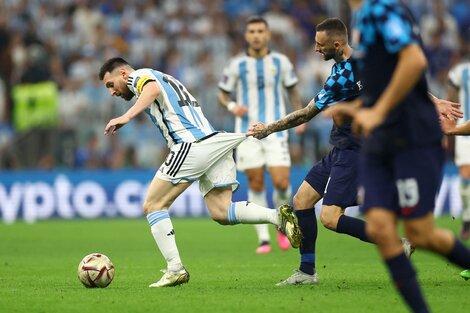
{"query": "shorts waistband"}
[(207, 137)]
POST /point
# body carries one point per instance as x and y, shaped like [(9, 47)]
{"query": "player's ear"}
[(123, 73)]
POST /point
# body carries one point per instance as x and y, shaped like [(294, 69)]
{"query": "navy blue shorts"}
[(335, 177), (405, 182)]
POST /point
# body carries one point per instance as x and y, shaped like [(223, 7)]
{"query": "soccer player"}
[(197, 152), (459, 89), (401, 158), (334, 178), (260, 77)]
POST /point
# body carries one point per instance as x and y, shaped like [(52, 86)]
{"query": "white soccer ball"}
[(96, 271)]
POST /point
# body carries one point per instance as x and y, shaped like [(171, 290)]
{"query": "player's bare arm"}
[(235, 108), (294, 98), (411, 65), (259, 130), (149, 92)]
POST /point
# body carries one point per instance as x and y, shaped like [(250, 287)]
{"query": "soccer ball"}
[(96, 271)]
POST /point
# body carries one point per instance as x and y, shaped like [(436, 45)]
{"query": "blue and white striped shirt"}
[(259, 84), (175, 112)]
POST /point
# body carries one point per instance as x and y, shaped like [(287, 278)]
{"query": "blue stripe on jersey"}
[(261, 94), (466, 94), (244, 80), (277, 106), (173, 97)]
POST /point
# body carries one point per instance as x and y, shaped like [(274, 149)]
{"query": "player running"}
[(197, 153), (334, 178), (401, 158), (260, 78)]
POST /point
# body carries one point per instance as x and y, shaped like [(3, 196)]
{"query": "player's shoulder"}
[(381, 8), (277, 54), (238, 58), (460, 67)]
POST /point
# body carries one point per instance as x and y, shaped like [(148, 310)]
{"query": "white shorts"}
[(210, 161), (270, 151), (462, 150)]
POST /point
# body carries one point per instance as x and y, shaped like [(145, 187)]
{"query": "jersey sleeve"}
[(289, 78), (395, 24), (331, 91), (455, 75), (137, 80), (230, 77)]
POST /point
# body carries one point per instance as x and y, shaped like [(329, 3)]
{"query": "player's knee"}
[(380, 233), (329, 217), (281, 183)]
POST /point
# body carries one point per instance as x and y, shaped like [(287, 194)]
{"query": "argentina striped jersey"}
[(175, 112), (459, 76), (259, 84)]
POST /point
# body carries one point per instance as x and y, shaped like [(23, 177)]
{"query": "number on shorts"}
[(408, 192)]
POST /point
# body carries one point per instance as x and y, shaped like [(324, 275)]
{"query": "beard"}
[(127, 95)]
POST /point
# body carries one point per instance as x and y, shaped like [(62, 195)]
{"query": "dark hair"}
[(256, 19), (333, 26), (110, 65)]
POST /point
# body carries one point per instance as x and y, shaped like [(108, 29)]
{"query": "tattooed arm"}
[(259, 130)]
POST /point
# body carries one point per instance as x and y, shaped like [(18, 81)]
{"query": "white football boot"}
[(172, 278), (299, 278)]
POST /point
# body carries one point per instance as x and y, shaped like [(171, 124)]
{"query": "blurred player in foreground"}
[(261, 77), (401, 157), (197, 153)]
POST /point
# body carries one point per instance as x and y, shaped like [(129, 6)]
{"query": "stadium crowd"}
[(65, 41)]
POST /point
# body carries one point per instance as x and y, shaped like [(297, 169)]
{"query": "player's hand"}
[(114, 124), (258, 130), (239, 110), (448, 109), (299, 130), (447, 126), (366, 120)]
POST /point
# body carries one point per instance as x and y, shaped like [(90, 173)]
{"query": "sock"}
[(164, 235), (244, 212), (262, 230), (404, 277), (353, 227), (465, 195), (281, 197), (308, 225), (460, 255)]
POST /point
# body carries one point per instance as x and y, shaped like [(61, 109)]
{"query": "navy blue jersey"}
[(382, 28), (342, 85)]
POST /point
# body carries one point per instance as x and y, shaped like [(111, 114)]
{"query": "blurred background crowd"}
[(53, 108)]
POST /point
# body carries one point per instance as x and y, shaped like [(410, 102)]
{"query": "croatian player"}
[(197, 153), (260, 78), (334, 178), (401, 158)]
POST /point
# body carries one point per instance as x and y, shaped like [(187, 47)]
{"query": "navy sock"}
[(460, 255), (404, 277), (308, 225), (353, 227)]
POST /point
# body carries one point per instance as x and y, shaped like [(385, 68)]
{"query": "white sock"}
[(243, 212), (465, 195), (164, 235), (281, 197), (262, 230)]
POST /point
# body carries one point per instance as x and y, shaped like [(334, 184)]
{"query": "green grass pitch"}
[(38, 266)]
